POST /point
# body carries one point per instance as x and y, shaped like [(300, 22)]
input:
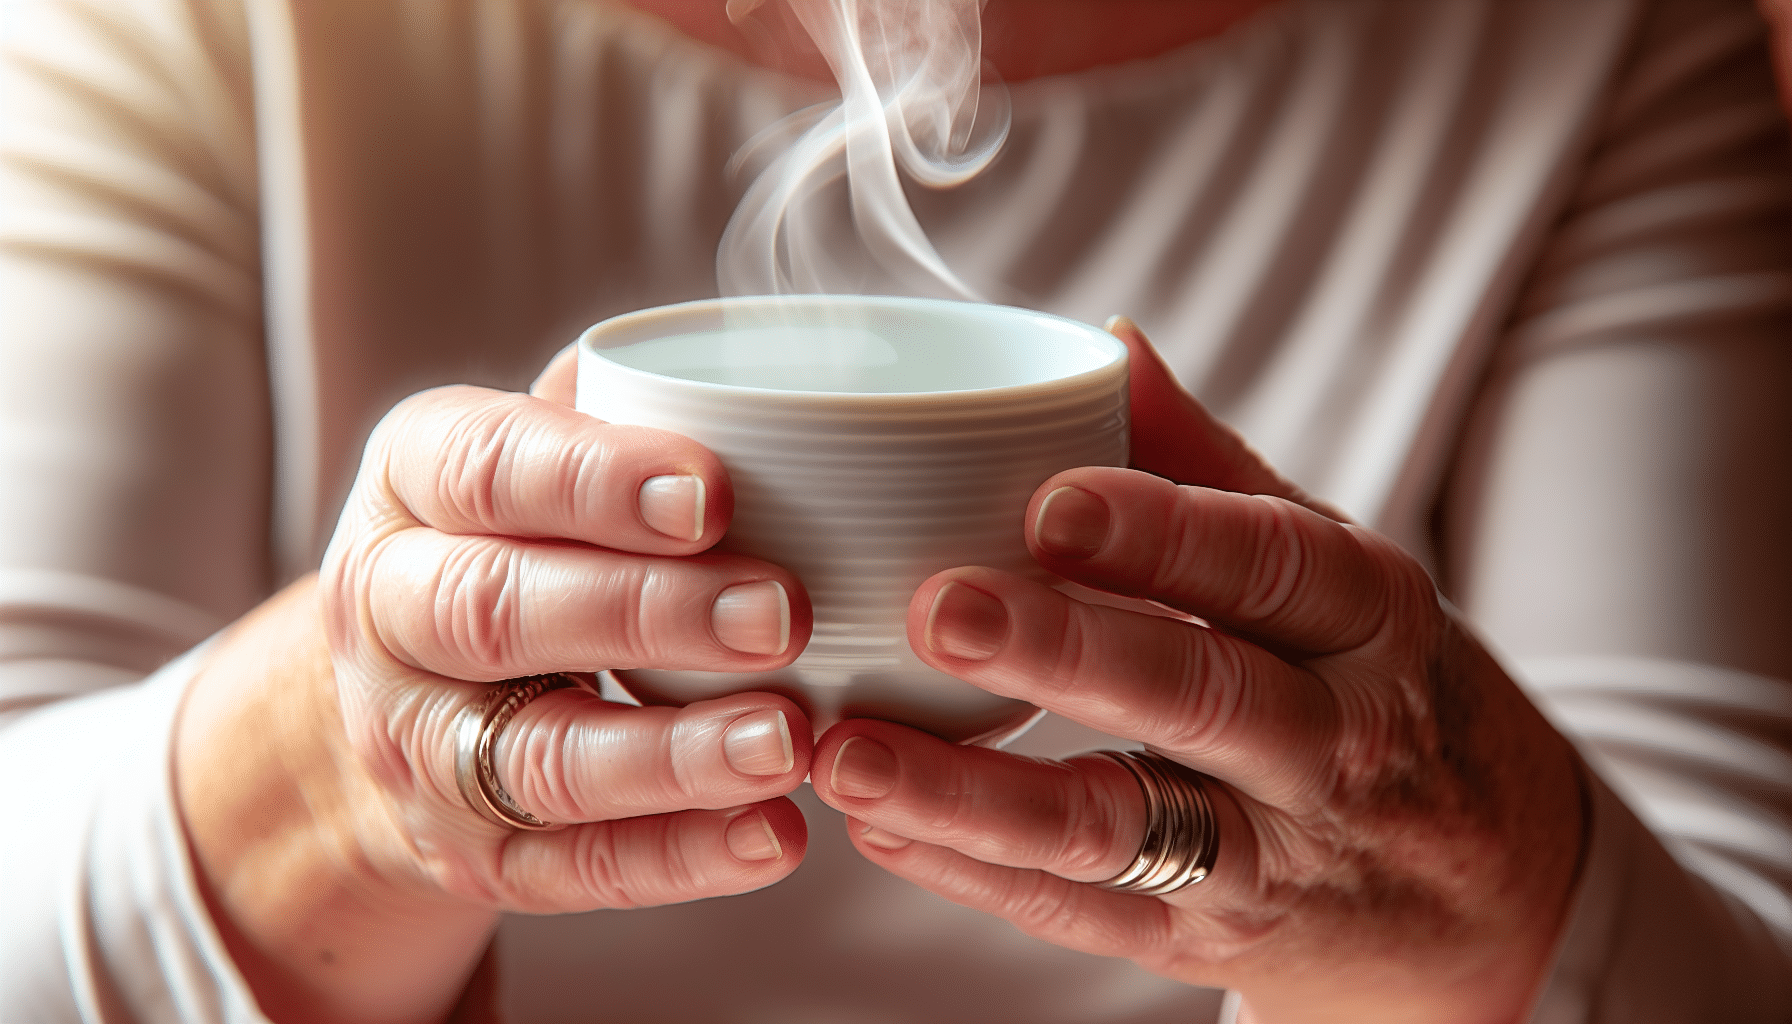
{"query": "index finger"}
[(472, 461), (1219, 703), (1261, 566)]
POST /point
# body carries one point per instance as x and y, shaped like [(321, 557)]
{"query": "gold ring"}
[(476, 733)]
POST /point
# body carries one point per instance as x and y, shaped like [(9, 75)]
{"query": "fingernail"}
[(1071, 522), (883, 840), (750, 837), (752, 618), (965, 623), (673, 505), (864, 769), (1117, 323), (759, 744)]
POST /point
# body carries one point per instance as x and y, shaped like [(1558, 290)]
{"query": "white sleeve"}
[(101, 919), (1693, 749), (135, 449), (134, 454), (1617, 527)]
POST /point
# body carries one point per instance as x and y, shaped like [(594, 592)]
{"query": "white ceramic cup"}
[(872, 442)]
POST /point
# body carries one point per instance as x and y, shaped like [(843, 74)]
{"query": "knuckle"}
[(1087, 828), (1403, 579), (343, 578), (375, 504), (1280, 560), (579, 471), (1035, 902), (1270, 534), (401, 420), (683, 761), (1206, 705), (668, 859), (626, 606), (653, 591), (1072, 652), (478, 616), (414, 421), (562, 481), (538, 768), (477, 457), (466, 456), (1395, 592), (371, 592), (1182, 550), (598, 868), (955, 808)]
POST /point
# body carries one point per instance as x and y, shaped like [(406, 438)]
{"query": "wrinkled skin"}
[(488, 536), (1399, 826)]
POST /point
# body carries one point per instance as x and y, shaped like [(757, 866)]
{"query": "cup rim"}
[(637, 321)]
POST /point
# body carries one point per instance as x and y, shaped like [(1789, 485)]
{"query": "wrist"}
[(292, 840)]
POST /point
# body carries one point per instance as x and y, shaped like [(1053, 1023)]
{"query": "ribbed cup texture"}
[(864, 496)]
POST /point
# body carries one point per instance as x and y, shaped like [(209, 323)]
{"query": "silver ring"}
[(1182, 838), (476, 733)]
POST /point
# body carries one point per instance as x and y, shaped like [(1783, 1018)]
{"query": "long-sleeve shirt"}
[(1481, 272)]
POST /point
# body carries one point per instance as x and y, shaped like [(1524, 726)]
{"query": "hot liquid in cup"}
[(872, 442)]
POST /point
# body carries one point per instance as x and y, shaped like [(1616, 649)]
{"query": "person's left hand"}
[(1399, 827)]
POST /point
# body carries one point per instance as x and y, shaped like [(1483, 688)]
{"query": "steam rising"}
[(911, 97)]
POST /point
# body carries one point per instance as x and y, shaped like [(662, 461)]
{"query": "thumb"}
[(1175, 437), (558, 382)]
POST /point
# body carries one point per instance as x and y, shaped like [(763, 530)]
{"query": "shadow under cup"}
[(872, 442)]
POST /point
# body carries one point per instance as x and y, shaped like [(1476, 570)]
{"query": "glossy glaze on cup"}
[(865, 492)]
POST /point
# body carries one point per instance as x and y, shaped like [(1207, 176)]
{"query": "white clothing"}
[(235, 234)]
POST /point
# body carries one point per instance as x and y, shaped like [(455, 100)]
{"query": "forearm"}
[(326, 920)]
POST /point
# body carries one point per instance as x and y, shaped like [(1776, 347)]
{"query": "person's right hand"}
[(490, 536)]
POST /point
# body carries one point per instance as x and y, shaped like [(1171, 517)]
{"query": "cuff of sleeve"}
[(1646, 940), (102, 916)]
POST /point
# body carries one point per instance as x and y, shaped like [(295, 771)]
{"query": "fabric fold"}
[(113, 882)]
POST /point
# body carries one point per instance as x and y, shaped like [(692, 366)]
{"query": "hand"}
[(1398, 826), (488, 536)]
